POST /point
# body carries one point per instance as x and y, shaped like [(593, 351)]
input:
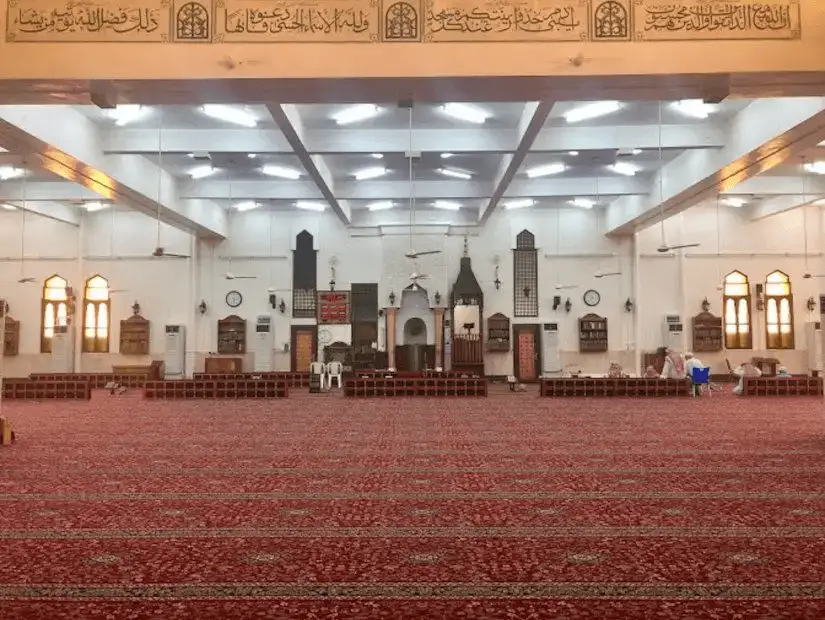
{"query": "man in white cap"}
[(691, 364)]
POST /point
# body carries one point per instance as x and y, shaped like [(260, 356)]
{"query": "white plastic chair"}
[(318, 368), (334, 371)]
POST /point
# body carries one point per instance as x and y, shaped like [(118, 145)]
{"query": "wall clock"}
[(234, 299), (592, 298), (324, 336)]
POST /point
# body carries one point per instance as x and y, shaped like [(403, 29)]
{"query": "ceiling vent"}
[(202, 156)]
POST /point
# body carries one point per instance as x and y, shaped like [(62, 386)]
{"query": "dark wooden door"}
[(526, 353), (304, 347)]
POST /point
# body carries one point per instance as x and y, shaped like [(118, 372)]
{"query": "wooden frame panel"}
[(535, 329), (293, 339)]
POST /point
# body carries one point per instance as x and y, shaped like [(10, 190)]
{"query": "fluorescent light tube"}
[(519, 204), (310, 206), (636, 152), (463, 112), (10, 172), (200, 172), (8, 207), (583, 203), (230, 115), (447, 205), (446, 155), (282, 172), (815, 167), (457, 174), (735, 202), (251, 155), (125, 114), (91, 207), (695, 108), (247, 205), (356, 113), (624, 168), (592, 110), (377, 155), (546, 170), (381, 205), (370, 173), (573, 153)]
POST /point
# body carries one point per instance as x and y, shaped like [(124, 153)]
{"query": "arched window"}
[(779, 311), (96, 315), (54, 310), (736, 300)]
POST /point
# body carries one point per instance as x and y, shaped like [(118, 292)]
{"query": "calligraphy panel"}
[(96, 21), (715, 20), (297, 21), (482, 21)]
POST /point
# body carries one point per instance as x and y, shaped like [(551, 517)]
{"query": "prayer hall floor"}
[(511, 506)]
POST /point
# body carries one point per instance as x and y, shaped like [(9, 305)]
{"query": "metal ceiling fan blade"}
[(808, 276), (560, 287), (233, 276), (160, 252), (415, 255), (664, 249), (26, 280), (607, 274)]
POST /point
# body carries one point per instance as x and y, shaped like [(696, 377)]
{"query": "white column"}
[(192, 340), (78, 287), (637, 292)]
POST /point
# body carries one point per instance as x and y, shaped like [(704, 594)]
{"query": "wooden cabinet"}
[(223, 365), (592, 334), (707, 332), (231, 335), (134, 336), (11, 337), (498, 332)]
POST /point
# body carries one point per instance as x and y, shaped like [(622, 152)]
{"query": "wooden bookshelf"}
[(232, 335), (134, 336), (11, 337), (708, 334), (592, 334), (498, 333)]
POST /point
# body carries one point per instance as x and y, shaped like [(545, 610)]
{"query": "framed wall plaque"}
[(134, 336), (333, 307)]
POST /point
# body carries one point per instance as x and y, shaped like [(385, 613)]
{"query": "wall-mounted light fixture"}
[(556, 302), (273, 301), (705, 305), (391, 297), (628, 305), (282, 306), (332, 277), (437, 298), (811, 304), (202, 307), (568, 305), (497, 281)]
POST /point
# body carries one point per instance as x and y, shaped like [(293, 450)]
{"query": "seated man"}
[(674, 367), (615, 371), (650, 373), (747, 369), (691, 363)]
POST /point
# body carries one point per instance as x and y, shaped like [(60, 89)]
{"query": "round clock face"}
[(324, 336), (592, 298), (234, 299)]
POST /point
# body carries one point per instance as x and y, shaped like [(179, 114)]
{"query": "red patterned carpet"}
[(507, 507)]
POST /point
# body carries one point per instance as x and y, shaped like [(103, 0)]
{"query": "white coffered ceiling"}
[(196, 164)]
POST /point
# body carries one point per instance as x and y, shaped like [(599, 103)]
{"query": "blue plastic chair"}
[(701, 378)]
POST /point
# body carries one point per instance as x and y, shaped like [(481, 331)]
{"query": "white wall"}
[(571, 249)]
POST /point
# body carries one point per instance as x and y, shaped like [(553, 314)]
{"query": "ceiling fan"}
[(560, 287), (411, 253), (664, 248), (233, 276), (160, 251), (607, 274), (26, 280)]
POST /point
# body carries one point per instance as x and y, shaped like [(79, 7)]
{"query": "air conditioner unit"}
[(174, 354), (813, 339), (550, 349), (264, 342), (63, 349), (673, 332)]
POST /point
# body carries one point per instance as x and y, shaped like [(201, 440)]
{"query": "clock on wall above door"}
[(592, 298), (234, 299)]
